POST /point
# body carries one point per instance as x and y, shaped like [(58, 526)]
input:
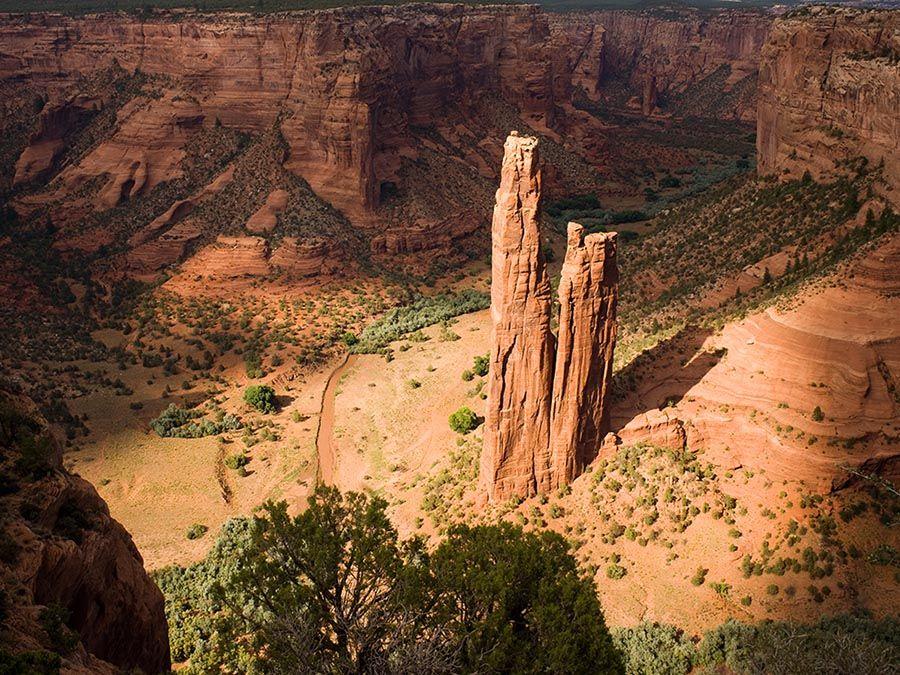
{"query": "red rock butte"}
[(547, 398)]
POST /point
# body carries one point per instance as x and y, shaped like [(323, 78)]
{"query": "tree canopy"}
[(335, 590)]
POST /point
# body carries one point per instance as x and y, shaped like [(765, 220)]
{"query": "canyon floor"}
[(738, 516)]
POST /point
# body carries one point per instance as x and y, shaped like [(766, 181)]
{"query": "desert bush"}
[(654, 649), (261, 397), (237, 461), (177, 422), (463, 420), (196, 531), (481, 364), (424, 311)]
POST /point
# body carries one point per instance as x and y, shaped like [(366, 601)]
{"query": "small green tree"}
[(463, 420), (481, 364), (817, 414), (261, 397), (330, 590)]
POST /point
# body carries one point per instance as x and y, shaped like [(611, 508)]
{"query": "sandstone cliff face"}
[(829, 91), (61, 547), (547, 398), (660, 58), (588, 293), (349, 83), (516, 457)]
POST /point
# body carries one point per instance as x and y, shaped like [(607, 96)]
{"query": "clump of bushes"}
[(422, 312), (463, 420), (839, 644), (261, 397), (178, 422)]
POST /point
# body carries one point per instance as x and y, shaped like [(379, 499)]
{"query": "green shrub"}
[(196, 531), (481, 364), (654, 649), (614, 571), (261, 397), (463, 420), (422, 312), (237, 461), (817, 414), (177, 422)]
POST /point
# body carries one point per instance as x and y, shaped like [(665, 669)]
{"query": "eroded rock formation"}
[(63, 548), (546, 412), (668, 60), (588, 294), (374, 107), (829, 92), (516, 456)]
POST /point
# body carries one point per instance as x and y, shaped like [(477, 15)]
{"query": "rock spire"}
[(546, 405), (516, 456), (588, 292)]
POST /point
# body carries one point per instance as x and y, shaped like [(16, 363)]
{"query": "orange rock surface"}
[(588, 294), (516, 456), (829, 92), (547, 398)]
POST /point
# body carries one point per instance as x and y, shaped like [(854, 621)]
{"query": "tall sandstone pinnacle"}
[(588, 295), (516, 456), (546, 409)]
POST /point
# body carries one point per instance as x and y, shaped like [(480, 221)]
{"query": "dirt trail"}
[(325, 431)]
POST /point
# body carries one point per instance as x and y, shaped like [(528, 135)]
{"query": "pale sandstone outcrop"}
[(516, 456), (588, 295)]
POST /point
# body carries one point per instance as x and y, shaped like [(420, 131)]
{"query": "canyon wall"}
[(62, 548), (547, 397), (829, 92), (376, 106), (686, 61), (348, 84)]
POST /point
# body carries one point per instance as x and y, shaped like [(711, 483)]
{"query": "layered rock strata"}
[(546, 412), (660, 59), (516, 455), (829, 92), (588, 294), (349, 84)]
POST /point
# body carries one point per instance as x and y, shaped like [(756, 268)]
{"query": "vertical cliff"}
[(829, 92), (516, 457), (588, 294), (349, 84), (667, 60)]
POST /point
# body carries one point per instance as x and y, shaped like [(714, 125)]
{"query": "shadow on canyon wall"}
[(662, 375)]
